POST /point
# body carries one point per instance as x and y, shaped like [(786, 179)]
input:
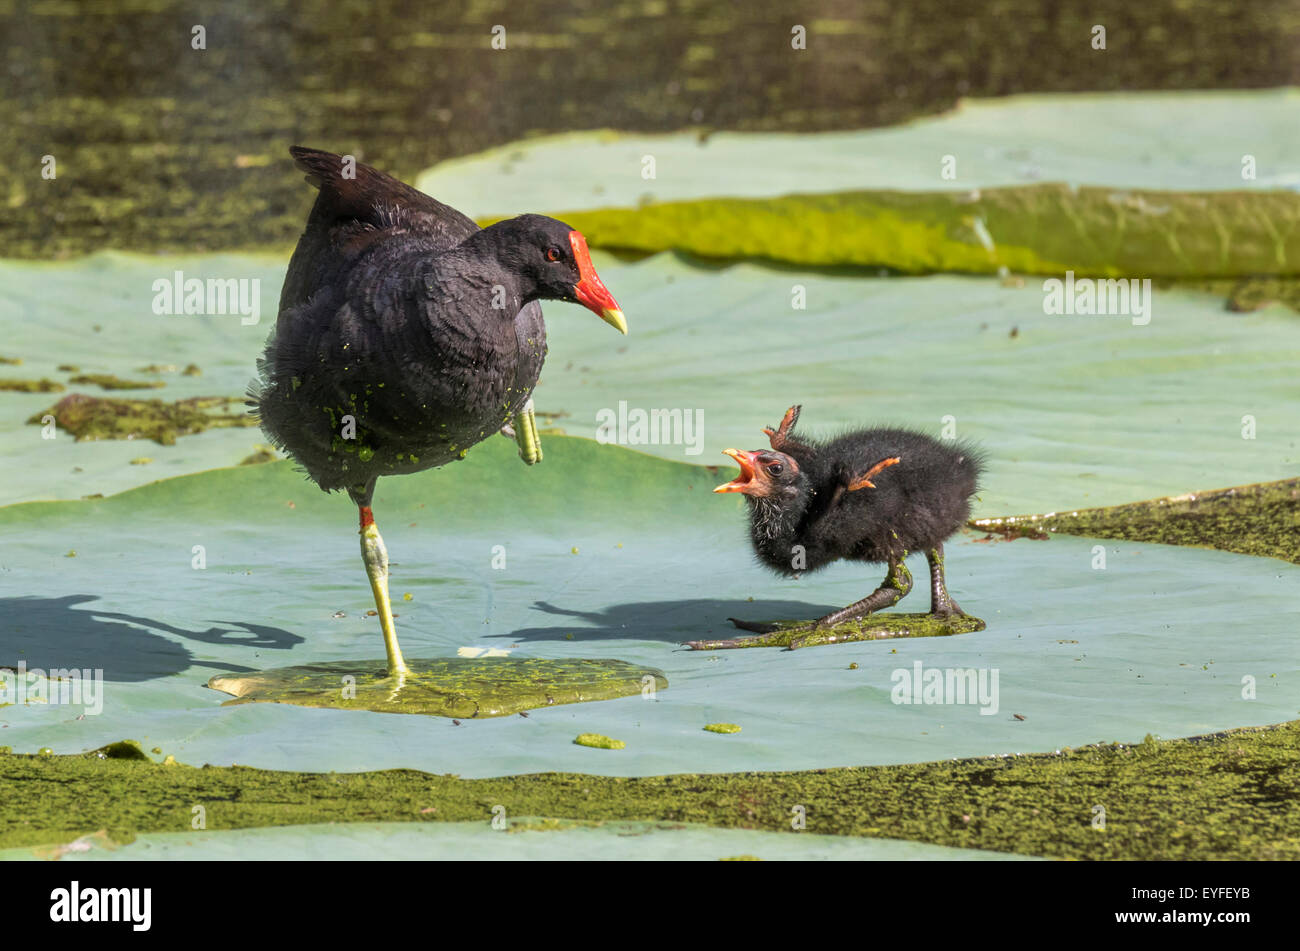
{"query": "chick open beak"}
[(743, 481), (590, 290)]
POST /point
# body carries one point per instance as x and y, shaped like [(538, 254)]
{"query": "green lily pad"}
[(1170, 198), (1136, 648), (1146, 140), (911, 351), (446, 686), (876, 627)]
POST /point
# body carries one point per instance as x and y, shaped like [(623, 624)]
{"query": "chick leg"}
[(897, 583), (941, 602)]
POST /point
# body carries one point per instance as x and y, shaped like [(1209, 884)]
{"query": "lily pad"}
[(729, 347), (1136, 648), (961, 192), (1154, 140), (446, 686)]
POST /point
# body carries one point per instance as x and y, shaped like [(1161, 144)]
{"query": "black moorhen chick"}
[(812, 502), (406, 335)]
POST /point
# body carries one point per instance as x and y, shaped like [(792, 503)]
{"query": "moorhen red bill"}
[(406, 334), (870, 495)]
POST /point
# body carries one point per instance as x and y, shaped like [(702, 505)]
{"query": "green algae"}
[(108, 381), (598, 741), (1035, 229), (459, 687), (122, 749), (874, 627), (722, 728), (262, 453), (1262, 519), (93, 417), (31, 386), (1230, 795)]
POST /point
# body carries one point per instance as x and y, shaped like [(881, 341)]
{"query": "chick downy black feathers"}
[(871, 495)]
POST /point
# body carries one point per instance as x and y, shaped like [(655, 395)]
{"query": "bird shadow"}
[(50, 633), (670, 621)]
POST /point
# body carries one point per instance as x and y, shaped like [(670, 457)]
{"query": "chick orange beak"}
[(590, 290), (746, 478)]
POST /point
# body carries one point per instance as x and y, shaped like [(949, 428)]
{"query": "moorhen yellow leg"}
[(375, 556)]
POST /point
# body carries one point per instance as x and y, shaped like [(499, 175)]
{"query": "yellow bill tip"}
[(615, 319)]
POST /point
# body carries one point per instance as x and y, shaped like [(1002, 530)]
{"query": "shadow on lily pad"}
[(447, 686)]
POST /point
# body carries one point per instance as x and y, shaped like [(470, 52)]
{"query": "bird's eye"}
[(553, 254), (776, 468)]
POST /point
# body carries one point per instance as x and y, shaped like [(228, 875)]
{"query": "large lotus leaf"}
[(1181, 141), (1156, 641), (1074, 411), (1174, 197), (97, 314)]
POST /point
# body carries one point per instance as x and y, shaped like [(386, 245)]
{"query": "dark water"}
[(159, 145)]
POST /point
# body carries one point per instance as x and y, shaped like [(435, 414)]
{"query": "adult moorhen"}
[(406, 334)]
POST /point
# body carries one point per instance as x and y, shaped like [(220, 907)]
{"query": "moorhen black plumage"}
[(406, 334), (813, 502)]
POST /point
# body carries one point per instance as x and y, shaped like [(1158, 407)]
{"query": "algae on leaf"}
[(1229, 795), (111, 381), (1261, 519), (1033, 229), (42, 385), (794, 634), (447, 687), (92, 417)]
